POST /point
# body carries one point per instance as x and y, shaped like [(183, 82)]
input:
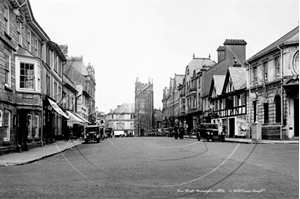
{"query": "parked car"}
[(109, 132), (209, 131), (92, 133)]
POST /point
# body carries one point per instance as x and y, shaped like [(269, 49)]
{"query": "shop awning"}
[(57, 108), (82, 118), (74, 119)]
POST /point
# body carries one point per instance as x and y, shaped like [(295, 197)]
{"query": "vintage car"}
[(92, 133), (209, 131), (109, 132)]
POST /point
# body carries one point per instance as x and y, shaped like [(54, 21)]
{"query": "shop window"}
[(29, 126), (6, 125)]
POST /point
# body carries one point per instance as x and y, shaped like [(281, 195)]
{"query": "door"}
[(231, 127), (296, 118)]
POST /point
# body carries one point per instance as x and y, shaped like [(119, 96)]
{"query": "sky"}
[(155, 39)]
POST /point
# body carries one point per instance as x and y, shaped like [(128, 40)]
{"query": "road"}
[(159, 167)]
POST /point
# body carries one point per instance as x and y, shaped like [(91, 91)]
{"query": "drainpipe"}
[(281, 90), (249, 91)]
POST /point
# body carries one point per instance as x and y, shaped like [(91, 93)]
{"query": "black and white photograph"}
[(149, 99)]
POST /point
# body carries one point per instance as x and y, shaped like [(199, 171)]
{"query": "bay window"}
[(27, 77)]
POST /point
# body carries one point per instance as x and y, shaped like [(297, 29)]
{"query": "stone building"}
[(273, 104), (31, 80), (144, 107), (84, 78)]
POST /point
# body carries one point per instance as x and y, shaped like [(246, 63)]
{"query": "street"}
[(159, 167)]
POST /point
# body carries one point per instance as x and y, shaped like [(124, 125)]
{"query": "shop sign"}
[(27, 96)]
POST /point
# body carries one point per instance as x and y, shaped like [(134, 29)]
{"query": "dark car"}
[(109, 132), (92, 133), (209, 131)]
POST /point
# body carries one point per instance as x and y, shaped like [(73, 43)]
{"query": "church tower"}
[(144, 107)]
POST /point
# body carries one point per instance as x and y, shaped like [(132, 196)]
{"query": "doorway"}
[(296, 118), (231, 127)]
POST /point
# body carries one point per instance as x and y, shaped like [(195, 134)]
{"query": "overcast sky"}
[(154, 39)]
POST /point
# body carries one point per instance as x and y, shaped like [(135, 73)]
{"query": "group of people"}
[(68, 134)]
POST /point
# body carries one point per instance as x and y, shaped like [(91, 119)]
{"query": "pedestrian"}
[(71, 134), (67, 134)]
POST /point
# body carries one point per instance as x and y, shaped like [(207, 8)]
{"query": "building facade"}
[(144, 107), (29, 56), (121, 119), (228, 96), (274, 89)]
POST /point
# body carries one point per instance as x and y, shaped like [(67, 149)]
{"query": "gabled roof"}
[(124, 108), (218, 69), (238, 76), (290, 37), (218, 83)]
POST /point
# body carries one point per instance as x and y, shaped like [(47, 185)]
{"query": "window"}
[(55, 60), (29, 40), (254, 111), (55, 91), (27, 76), (47, 84), (6, 19), (277, 67), (265, 67), (266, 112), (35, 45), (59, 92), (254, 73), (7, 59), (6, 125), (19, 31), (278, 108)]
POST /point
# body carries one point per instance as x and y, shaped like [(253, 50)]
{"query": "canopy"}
[(73, 119), (57, 108), (86, 121)]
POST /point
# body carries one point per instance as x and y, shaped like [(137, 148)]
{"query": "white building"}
[(121, 119)]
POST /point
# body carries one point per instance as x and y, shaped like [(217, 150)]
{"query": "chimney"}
[(221, 53), (235, 51)]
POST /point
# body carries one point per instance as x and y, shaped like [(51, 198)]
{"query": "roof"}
[(238, 76), (290, 37), (78, 64), (219, 83), (178, 80), (124, 108), (218, 69), (198, 63)]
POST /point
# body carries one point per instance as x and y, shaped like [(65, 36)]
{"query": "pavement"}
[(35, 154), (250, 141), (26, 157)]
